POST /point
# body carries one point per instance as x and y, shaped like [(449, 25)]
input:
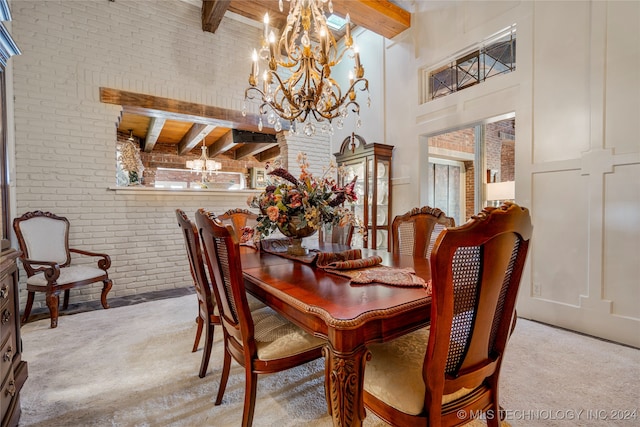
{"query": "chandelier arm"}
[(282, 87)]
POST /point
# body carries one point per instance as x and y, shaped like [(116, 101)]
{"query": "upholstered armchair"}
[(46, 256)]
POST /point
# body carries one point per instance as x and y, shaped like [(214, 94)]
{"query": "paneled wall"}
[(65, 139), (576, 98)]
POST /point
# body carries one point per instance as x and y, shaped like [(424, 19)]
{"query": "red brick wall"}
[(499, 153)]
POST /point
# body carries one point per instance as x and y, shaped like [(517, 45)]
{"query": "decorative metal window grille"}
[(494, 56)]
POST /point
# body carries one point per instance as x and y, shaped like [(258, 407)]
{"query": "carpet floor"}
[(133, 366)]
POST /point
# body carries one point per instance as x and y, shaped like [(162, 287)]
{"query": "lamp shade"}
[(501, 190)]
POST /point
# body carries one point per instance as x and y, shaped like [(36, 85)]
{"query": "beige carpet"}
[(133, 366)]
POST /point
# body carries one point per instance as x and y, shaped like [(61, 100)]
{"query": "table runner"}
[(279, 247), (368, 270)]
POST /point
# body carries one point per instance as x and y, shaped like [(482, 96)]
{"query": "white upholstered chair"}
[(46, 256)]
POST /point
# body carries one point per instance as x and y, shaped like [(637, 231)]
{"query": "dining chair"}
[(207, 318), (261, 341), (244, 222), (46, 256), (239, 218), (444, 374), (336, 234), (415, 232)]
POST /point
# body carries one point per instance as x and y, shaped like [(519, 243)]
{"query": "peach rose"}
[(273, 212)]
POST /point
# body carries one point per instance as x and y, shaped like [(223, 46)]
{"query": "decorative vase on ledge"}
[(290, 230)]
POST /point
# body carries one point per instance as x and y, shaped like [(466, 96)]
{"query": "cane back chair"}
[(261, 340), (46, 256), (444, 374), (415, 232), (207, 318)]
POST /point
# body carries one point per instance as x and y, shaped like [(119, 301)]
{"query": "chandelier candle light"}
[(204, 164), (309, 89)]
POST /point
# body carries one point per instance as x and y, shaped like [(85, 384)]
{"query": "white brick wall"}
[(65, 138)]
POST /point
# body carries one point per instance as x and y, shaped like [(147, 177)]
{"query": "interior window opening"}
[(472, 167)]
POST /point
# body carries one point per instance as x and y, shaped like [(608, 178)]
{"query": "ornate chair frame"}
[(476, 271), (207, 318), (427, 224), (241, 325), (50, 270)]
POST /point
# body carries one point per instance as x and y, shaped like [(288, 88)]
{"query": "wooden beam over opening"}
[(155, 106)]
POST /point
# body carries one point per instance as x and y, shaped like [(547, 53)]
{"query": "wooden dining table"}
[(348, 315)]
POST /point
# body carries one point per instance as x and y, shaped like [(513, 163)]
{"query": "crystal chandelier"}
[(204, 164), (296, 73)]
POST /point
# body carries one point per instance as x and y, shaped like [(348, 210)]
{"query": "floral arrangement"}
[(299, 206), (131, 162)]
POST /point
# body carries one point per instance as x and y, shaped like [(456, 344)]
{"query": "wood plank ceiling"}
[(157, 120)]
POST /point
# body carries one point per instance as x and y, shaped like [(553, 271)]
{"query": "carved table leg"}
[(344, 376)]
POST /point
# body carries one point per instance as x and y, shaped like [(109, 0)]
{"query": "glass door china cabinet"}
[(371, 164)]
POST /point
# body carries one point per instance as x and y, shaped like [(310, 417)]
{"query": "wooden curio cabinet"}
[(371, 163)]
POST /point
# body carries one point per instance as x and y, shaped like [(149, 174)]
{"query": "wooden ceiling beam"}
[(192, 138), (253, 149), (269, 154), (380, 16), (222, 145), (212, 13), (153, 132)]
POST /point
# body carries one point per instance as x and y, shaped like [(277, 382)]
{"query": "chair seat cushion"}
[(394, 373), (254, 303), (276, 337), (74, 273)]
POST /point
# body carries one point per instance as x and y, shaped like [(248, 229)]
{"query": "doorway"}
[(472, 167)]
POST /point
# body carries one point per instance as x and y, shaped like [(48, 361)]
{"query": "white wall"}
[(65, 138), (372, 57), (576, 96)]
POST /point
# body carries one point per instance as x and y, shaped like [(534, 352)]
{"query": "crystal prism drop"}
[(260, 124), (271, 118), (305, 39), (339, 123), (280, 5), (278, 126), (244, 109), (358, 122), (368, 101), (343, 112), (309, 129)]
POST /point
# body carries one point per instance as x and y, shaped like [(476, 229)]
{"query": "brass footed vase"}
[(296, 234)]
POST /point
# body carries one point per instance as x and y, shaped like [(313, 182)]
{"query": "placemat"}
[(368, 270), (386, 275)]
